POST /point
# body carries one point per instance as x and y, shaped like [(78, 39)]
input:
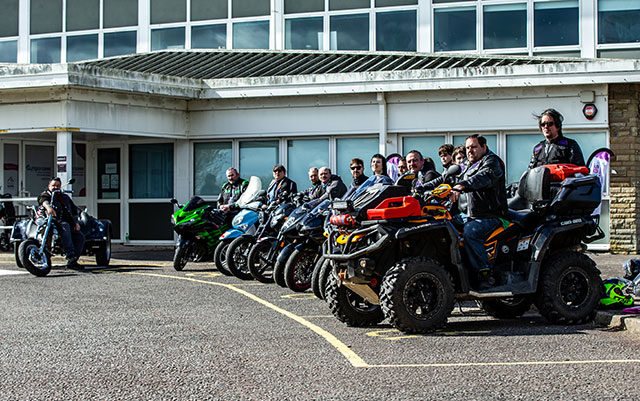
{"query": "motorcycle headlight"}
[(244, 227)]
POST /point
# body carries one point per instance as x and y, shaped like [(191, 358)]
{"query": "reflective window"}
[(250, 8), (169, 38), (111, 211), (45, 16), (46, 50), (396, 31), (303, 33), (505, 26), (251, 35), (348, 4), (151, 170), (109, 174), (519, 151), (119, 43), (258, 158), (556, 23), (618, 21), (11, 164), (145, 222), (84, 47), (79, 169), (454, 29), (349, 148), (619, 53), (163, 11), (83, 14), (209, 9), (349, 32), (446, 1), (39, 168), (427, 145), (209, 37), (386, 3), (210, 163), (9, 18), (303, 6), (9, 51), (302, 154), (117, 13)]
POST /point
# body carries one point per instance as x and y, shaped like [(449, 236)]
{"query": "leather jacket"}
[(484, 194), (559, 150), (231, 192), (65, 209), (277, 188)]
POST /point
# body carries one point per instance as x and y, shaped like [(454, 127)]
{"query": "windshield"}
[(373, 180), (255, 186)]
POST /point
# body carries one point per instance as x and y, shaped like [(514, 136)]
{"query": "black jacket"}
[(65, 209), (277, 188), (484, 194), (230, 193), (559, 150), (355, 185), (314, 192), (334, 189), (424, 177)]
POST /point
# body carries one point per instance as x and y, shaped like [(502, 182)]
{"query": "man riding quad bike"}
[(401, 257)]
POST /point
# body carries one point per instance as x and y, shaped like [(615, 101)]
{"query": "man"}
[(65, 218), (357, 171), (425, 171), (231, 190), (315, 190), (483, 200), (280, 185), (445, 152), (332, 185), (555, 148)]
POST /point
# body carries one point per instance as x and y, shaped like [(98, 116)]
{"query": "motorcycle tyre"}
[(243, 245), (255, 258), (103, 256), (293, 267), (16, 254), (220, 257), (315, 278), (24, 250)]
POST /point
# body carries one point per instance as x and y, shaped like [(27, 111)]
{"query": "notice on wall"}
[(105, 181), (115, 181), (111, 168)]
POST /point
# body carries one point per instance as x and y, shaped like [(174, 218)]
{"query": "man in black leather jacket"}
[(280, 184), (315, 190), (555, 148), (483, 200), (424, 169), (231, 190), (357, 171), (332, 185)]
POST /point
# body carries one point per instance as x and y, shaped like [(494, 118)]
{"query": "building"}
[(337, 79)]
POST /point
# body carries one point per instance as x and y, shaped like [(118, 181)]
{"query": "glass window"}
[(492, 141), (446, 1), (611, 53), (210, 163), (589, 142), (556, 23), (427, 145), (119, 43), (163, 11), (45, 16), (151, 170), (386, 3), (209, 9), (83, 14), (83, 47), (9, 18), (146, 222), (258, 158), (251, 35), (348, 4), (169, 38), (39, 168), (303, 6), (111, 212), (618, 21), (79, 169), (505, 26), (349, 148), (209, 37), (9, 51), (46, 50), (11, 160), (302, 154), (250, 8), (455, 29), (350, 32), (396, 31), (109, 173), (303, 33), (566, 54), (117, 13), (519, 151)]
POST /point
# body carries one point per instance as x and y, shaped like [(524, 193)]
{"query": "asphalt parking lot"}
[(141, 330)]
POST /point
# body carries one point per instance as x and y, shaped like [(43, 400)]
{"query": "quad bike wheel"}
[(103, 256), (259, 261), (507, 308), (220, 257), (417, 295), (569, 289), (315, 277), (237, 257), (299, 268), (349, 307), (37, 263)]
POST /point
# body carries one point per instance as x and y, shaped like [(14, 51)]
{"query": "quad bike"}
[(402, 258)]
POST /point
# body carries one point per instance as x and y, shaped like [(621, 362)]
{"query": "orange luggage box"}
[(561, 171), (394, 208)]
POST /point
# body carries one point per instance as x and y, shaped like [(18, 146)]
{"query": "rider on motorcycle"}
[(231, 190), (65, 218), (332, 185), (281, 184), (315, 190)]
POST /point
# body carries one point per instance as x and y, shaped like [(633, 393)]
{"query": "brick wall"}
[(624, 121)]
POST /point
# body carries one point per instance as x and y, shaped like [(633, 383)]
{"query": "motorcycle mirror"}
[(71, 181), (452, 171), (174, 201)]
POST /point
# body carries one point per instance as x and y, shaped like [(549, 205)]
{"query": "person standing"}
[(555, 148)]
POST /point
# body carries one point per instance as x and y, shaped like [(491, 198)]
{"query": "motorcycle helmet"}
[(631, 268), (615, 294)]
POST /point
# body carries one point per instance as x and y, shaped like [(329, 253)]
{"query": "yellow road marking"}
[(298, 296), (394, 334), (486, 364)]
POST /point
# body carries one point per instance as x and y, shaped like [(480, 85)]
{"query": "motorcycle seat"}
[(523, 218)]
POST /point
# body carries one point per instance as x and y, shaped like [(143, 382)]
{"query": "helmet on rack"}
[(615, 293)]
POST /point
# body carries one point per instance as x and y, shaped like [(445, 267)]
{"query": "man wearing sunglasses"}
[(555, 148), (357, 171)]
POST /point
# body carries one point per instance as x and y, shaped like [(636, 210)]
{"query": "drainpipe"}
[(382, 121)]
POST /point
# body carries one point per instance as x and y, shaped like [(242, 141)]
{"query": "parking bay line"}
[(357, 361)]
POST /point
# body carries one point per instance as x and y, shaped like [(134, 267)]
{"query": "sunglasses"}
[(547, 124), (356, 167)]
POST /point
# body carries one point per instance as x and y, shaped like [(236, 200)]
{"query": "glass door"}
[(109, 188)]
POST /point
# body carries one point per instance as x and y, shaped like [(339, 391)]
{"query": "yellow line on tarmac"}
[(486, 364), (351, 356)]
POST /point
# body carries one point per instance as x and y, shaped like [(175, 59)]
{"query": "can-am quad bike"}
[(403, 259)]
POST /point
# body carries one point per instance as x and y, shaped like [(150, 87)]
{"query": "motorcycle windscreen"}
[(255, 186)]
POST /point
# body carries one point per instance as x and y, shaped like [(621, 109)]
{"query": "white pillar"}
[(382, 122), (588, 28), (64, 152), (183, 164)]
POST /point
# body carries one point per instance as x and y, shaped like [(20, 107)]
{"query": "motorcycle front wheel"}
[(36, 262)]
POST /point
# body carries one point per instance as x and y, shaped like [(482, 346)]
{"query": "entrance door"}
[(39, 168), (110, 188)]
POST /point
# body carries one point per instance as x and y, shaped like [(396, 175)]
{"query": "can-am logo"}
[(567, 222)]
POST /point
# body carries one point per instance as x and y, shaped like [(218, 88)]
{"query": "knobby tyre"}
[(349, 307)]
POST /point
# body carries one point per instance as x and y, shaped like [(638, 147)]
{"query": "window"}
[(455, 29), (209, 9), (303, 154), (250, 8), (45, 16), (79, 169), (251, 35), (505, 26), (349, 148), (9, 18), (164, 11), (209, 37), (169, 38), (348, 4), (109, 174), (396, 31), (258, 158), (119, 43), (83, 14), (117, 13), (303, 33), (151, 171), (11, 164), (39, 168), (46, 50), (427, 145), (350, 32), (618, 21), (556, 23), (303, 6), (386, 3), (9, 51), (519, 151), (82, 47), (210, 163)]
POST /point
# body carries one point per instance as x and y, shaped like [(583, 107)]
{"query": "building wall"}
[(624, 114)]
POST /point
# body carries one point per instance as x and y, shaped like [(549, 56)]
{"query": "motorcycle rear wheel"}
[(38, 264), (103, 256), (16, 254)]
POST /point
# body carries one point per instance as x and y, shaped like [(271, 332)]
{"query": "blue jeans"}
[(72, 240), (475, 233)]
